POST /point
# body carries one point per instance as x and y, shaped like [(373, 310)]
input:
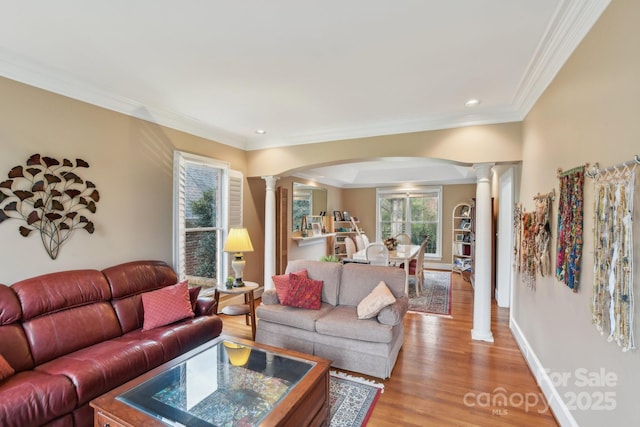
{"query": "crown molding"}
[(571, 22), (23, 70), (432, 122)]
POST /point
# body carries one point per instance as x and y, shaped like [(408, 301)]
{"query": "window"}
[(207, 200), (302, 204), (417, 213)]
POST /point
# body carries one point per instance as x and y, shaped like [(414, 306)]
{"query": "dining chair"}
[(416, 266), (365, 240), (403, 239), (360, 243), (350, 247), (377, 254), (417, 270)]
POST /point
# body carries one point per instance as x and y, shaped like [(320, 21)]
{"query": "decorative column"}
[(269, 231), (482, 274)]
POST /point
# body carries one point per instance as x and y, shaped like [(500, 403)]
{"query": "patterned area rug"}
[(351, 399), (435, 297)]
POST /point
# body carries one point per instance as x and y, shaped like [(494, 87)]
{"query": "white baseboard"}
[(560, 410)]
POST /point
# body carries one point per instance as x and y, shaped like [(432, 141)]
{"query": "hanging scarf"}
[(612, 304), (570, 212)]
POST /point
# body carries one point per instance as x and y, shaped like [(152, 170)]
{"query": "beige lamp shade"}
[(238, 241)]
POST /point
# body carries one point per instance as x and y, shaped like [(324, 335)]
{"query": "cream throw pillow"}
[(379, 298)]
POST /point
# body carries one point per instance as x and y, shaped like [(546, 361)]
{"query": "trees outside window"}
[(417, 213)]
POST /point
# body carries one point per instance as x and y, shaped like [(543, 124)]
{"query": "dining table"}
[(401, 254)]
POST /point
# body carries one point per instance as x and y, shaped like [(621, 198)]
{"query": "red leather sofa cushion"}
[(97, 369), (10, 310), (60, 291), (128, 281), (33, 398)]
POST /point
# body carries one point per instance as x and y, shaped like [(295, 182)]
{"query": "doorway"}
[(504, 259)]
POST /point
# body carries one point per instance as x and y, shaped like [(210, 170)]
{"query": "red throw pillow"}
[(166, 305), (304, 292), (5, 369), (281, 284)]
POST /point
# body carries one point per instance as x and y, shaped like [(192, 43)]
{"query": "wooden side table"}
[(248, 308)]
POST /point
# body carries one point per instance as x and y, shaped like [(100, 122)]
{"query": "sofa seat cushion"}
[(343, 322), (101, 367), (291, 316), (32, 398), (177, 339)]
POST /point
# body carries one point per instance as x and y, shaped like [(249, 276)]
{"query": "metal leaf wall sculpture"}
[(51, 198)]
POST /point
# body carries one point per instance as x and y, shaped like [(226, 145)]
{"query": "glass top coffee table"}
[(226, 382)]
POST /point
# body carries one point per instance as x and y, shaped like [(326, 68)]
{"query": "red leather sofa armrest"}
[(206, 306)]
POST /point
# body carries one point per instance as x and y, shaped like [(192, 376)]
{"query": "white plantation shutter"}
[(234, 212), (235, 199), (179, 214)]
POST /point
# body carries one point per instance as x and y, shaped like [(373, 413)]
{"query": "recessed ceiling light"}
[(261, 131), (472, 102)]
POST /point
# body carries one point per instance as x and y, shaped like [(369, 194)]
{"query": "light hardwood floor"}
[(443, 378)]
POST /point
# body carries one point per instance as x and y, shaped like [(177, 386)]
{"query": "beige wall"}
[(588, 114), (130, 163)]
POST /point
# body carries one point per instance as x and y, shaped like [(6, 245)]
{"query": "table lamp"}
[(238, 241)]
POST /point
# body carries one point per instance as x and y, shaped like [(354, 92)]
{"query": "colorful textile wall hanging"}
[(613, 301), (517, 236), (570, 213), (535, 238)]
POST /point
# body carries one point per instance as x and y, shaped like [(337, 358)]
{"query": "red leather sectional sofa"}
[(72, 336)]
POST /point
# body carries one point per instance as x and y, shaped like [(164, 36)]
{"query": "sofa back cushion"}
[(328, 272), (65, 311), (358, 280), (13, 344), (128, 281)]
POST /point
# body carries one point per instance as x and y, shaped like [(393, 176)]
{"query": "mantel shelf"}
[(311, 240)]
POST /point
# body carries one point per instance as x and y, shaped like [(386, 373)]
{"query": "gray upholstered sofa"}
[(334, 332)]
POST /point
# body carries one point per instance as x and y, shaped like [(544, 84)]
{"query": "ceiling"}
[(302, 71)]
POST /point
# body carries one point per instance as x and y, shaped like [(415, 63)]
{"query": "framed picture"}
[(459, 237), (465, 225), (337, 216), (316, 228), (346, 216), (465, 211)]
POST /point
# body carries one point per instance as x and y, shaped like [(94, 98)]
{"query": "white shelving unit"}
[(462, 240), (342, 230)]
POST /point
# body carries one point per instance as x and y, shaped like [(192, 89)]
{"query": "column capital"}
[(483, 170), (270, 181)]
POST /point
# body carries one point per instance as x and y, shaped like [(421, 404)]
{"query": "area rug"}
[(435, 296), (351, 399)]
